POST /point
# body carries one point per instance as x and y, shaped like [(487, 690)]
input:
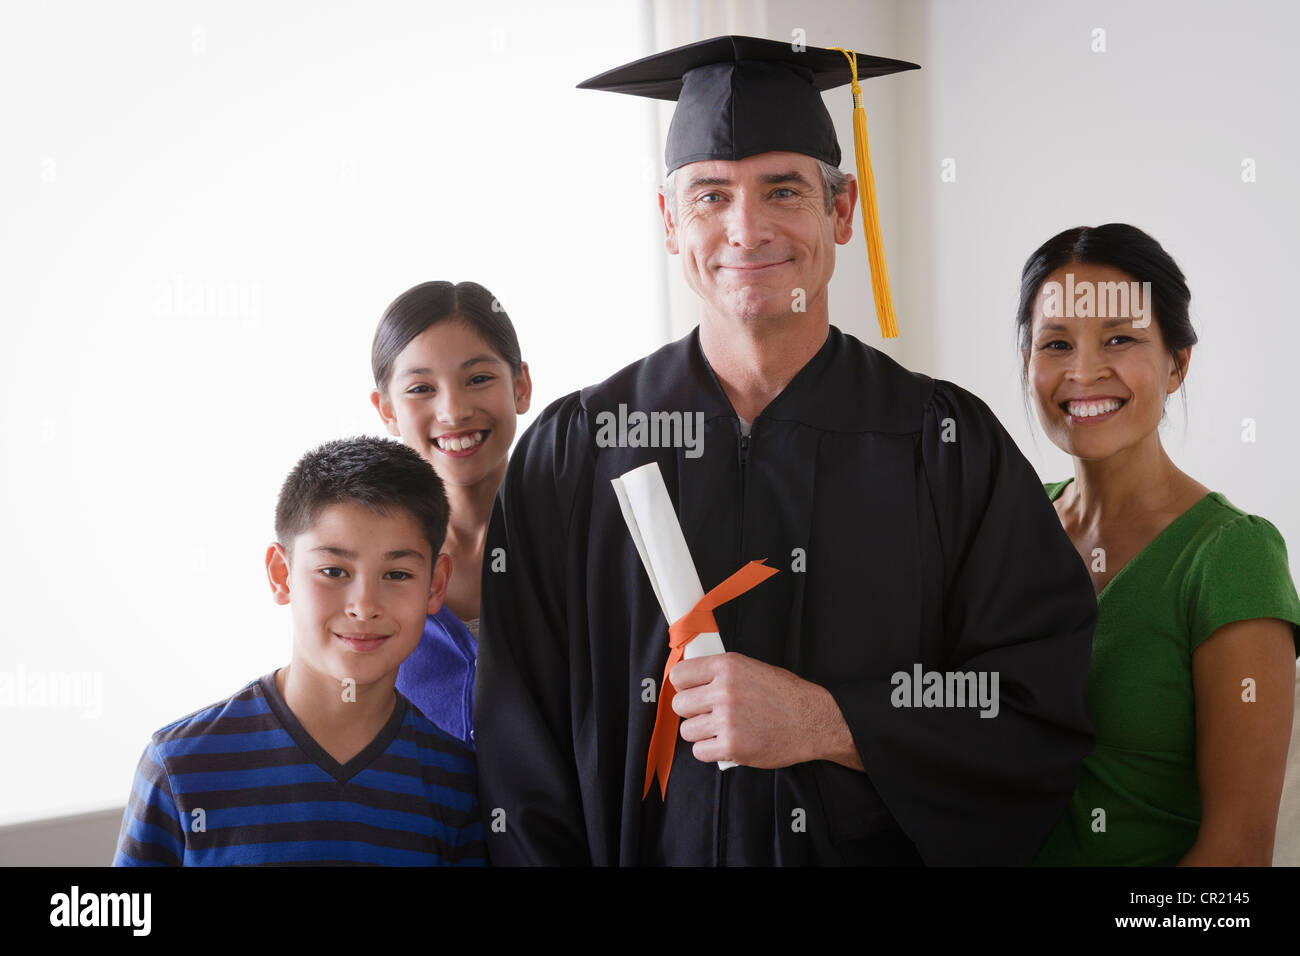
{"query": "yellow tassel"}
[(870, 214)]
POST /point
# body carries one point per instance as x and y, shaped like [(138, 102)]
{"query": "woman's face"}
[(1099, 381), (451, 398)]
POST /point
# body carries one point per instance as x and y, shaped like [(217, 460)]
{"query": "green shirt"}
[(1213, 565)]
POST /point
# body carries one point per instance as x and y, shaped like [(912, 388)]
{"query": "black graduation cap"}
[(738, 96)]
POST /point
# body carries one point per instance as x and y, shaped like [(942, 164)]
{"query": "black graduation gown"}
[(918, 549)]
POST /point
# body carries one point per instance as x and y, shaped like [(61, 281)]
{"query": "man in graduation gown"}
[(910, 537)]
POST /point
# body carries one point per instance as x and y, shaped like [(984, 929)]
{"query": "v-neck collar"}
[(319, 756), (798, 382), (1150, 544)]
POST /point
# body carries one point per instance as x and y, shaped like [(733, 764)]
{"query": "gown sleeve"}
[(529, 792), (151, 833), (1017, 600)]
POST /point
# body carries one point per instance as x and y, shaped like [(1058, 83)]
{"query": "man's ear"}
[(842, 212), (523, 389), (670, 227), (438, 584), (385, 409), (277, 572)]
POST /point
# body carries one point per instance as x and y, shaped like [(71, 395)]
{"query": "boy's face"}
[(360, 585)]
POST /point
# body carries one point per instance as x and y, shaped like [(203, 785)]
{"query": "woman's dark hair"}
[(430, 303), (1127, 249)]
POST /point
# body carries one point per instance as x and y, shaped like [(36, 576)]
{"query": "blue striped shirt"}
[(242, 783)]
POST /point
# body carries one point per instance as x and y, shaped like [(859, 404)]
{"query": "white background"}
[(300, 165)]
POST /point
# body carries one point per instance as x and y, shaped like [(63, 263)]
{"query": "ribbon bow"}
[(698, 620)]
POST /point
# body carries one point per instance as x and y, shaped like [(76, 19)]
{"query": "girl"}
[(449, 382), (1193, 655)]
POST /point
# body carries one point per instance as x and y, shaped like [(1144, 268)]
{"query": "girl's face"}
[(1099, 380), (451, 398)]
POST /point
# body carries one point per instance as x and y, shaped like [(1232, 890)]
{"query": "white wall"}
[(1047, 134), (81, 839), (206, 208)]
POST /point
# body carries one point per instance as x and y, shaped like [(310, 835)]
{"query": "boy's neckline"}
[(342, 772)]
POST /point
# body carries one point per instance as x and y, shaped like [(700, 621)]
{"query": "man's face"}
[(360, 585), (754, 235)]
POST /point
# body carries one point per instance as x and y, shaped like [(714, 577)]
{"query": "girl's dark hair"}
[(1127, 249), (430, 303)]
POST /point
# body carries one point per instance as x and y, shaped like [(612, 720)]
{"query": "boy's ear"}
[(438, 585), (385, 409), (277, 572)]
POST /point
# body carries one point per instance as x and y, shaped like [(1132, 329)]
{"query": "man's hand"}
[(739, 709)]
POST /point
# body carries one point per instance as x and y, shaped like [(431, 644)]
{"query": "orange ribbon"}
[(698, 620)]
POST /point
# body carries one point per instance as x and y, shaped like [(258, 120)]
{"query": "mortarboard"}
[(738, 96)]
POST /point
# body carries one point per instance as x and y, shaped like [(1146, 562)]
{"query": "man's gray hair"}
[(834, 183)]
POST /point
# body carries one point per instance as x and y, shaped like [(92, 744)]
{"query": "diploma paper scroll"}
[(654, 527)]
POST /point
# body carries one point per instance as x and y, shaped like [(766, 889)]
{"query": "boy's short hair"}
[(381, 474)]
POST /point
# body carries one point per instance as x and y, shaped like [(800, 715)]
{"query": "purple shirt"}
[(438, 676)]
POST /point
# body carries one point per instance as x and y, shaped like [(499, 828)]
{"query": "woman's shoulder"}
[(1224, 525), (1219, 537), (1236, 569), (446, 628)]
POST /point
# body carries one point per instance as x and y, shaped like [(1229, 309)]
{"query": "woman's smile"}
[(1091, 411)]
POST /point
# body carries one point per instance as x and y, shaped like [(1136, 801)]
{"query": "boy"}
[(323, 762)]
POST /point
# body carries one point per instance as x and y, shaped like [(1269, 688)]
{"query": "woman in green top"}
[(1190, 686)]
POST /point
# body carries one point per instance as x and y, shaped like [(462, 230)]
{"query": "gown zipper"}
[(720, 846)]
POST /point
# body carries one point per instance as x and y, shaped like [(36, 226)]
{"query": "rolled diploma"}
[(653, 524)]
